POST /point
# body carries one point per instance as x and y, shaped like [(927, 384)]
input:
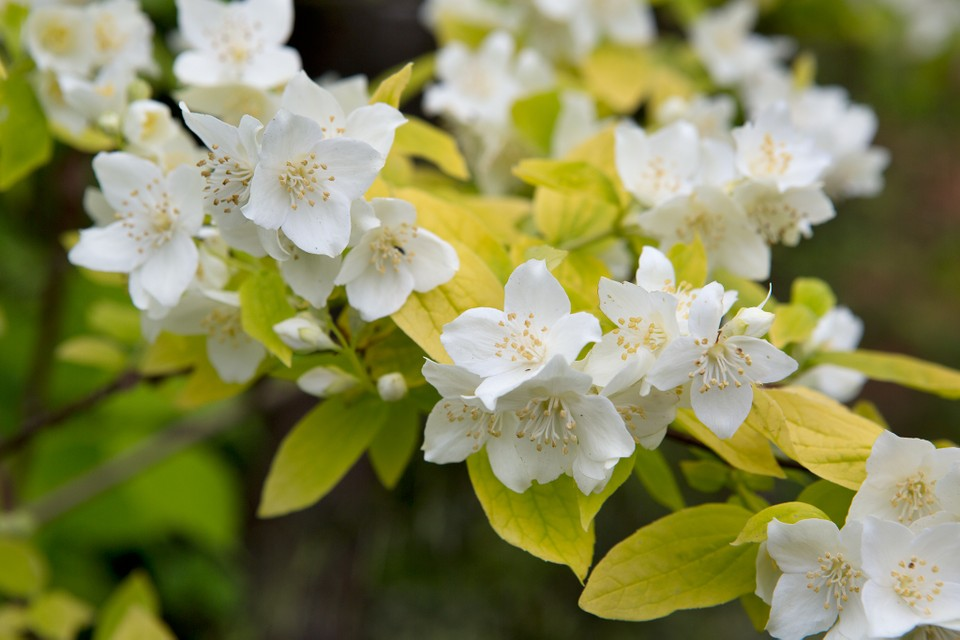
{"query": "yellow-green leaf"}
[(204, 386), (567, 176), (391, 89), (814, 294), (657, 478), (534, 118), (682, 561), (793, 323), (420, 139), (23, 571), (747, 449), (571, 218), (830, 498), (263, 303), (619, 76), (590, 505), (25, 142), (899, 369), (543, 521), (424, 314), (119, 320), (871, 412), (706, 476), (57, 615), (141, 624), (170, 353), (824, 436), (787, 512), (92, 351), (756, 609), (318, 451), (395, 443), (689, 262), (134, 592)]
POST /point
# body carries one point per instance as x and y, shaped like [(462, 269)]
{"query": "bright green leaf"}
[(590, 505), (534, 118), (830, 498), (788, 512), (395, 443), (204, 387), (571, 219), (391, 89), (706, 476), (134, 592), (620, 76), (814, 294), (25, 142), (170, 353), (544, 520), (141, 624), (318, 451), (420, 139), (120, 321), (871, 412), (899, 369), (794, 323), (747, 449), (13, 621), (689, 262), (682, 561), (565, 176), (657, 478), (23, 571), (92, 351), (57, 615), (263, 303)]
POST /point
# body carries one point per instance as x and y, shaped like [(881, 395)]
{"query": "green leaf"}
[(92, 351), (706, 476), (823, 435), (794, 323), (24, 571), (814, 294), (570, 218), (57, 615), (788, 512), (534, 118), (263, 303), (25, 142), (620, 76), (747, 449), (12, 17), (689, 262), (134, 592), (544, 520), (590, 505), (830, 498), (756, 609), (391, 89), (140, 624), (420, 139), (395, 443), (682, 561), (120, 321), (204, 387), (658, 479), (567, 176), (423, 315), (318, 451), (871, 412), (899, 369)]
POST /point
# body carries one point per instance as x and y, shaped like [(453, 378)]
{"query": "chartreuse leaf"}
[(579, 274), (92, 351), (396, 442), (571, 218), (57, 615), (391, 89), (140, 624), (787, 512), (590, 505), (204, 386), (899, 369), (420, 139), (706, 476), (23, 571), (750, 293), (619, 76), (658, 479), (793, 323), (567, 176), (756, 609), (747, 449), (13, 621), (544, 520), (689, 262), (424, 314), (136, 592), (263, 303), (170, 353), (318, 451), (534, 118), (813, 294), (25, 142), (830, 498), (871, 412), (682, 561), (823, 435)]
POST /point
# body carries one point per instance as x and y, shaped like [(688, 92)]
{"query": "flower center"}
[(917, 584), (57, 37), (108, 35), (523, 341), (154, 220), (546, 421), (720, 366), (835, 577), (660, 177), (483, 423), (228, 180), (388, 248), (633, 332), (773, 158), (301, 180), (915, 498), (236, 41), (224, 324)]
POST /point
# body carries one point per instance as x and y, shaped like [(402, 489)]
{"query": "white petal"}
[(675, 363), (107, 249), (199, 69), (796, 547), (507, 465), (446, 440), (470, 341), (304, 97), (236, 360), (170, 269), (722, 410), (600, 430), (449, 380), (767, 363), (531, 288), (434, 261), (570, 334), (354, 164), (655, 271), (120, 174), (797, 611), (311, 276), (706, 311), (377, 295), (323, 228), (375, 124), (272, 68)]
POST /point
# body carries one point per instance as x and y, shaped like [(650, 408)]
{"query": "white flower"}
[(61, 39), (102, 99), (561, 430), (374, 124), (304, 333), (722, 364), (711, 115), (645, 411), (660, 166), (236, 42), (770, 148), (588, 22), (230, 102), (393, 259), (148, 124), (913, 577), (821, 580), (576, 122), (304, 183), (838, 330), (783, 216), (152, 237), (904, 477), (123, 35), (511, 346)]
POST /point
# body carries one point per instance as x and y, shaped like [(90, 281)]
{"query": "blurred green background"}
[(421, 561)]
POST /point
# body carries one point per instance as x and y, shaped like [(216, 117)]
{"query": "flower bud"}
[(304, 333), (392, 386), (750, 321), (326, 381)]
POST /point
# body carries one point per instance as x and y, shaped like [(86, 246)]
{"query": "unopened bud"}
[(304, 333), (326, 381), (750, 321), (392, 387)]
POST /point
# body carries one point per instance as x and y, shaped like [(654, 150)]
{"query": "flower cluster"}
[(893, 567)]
